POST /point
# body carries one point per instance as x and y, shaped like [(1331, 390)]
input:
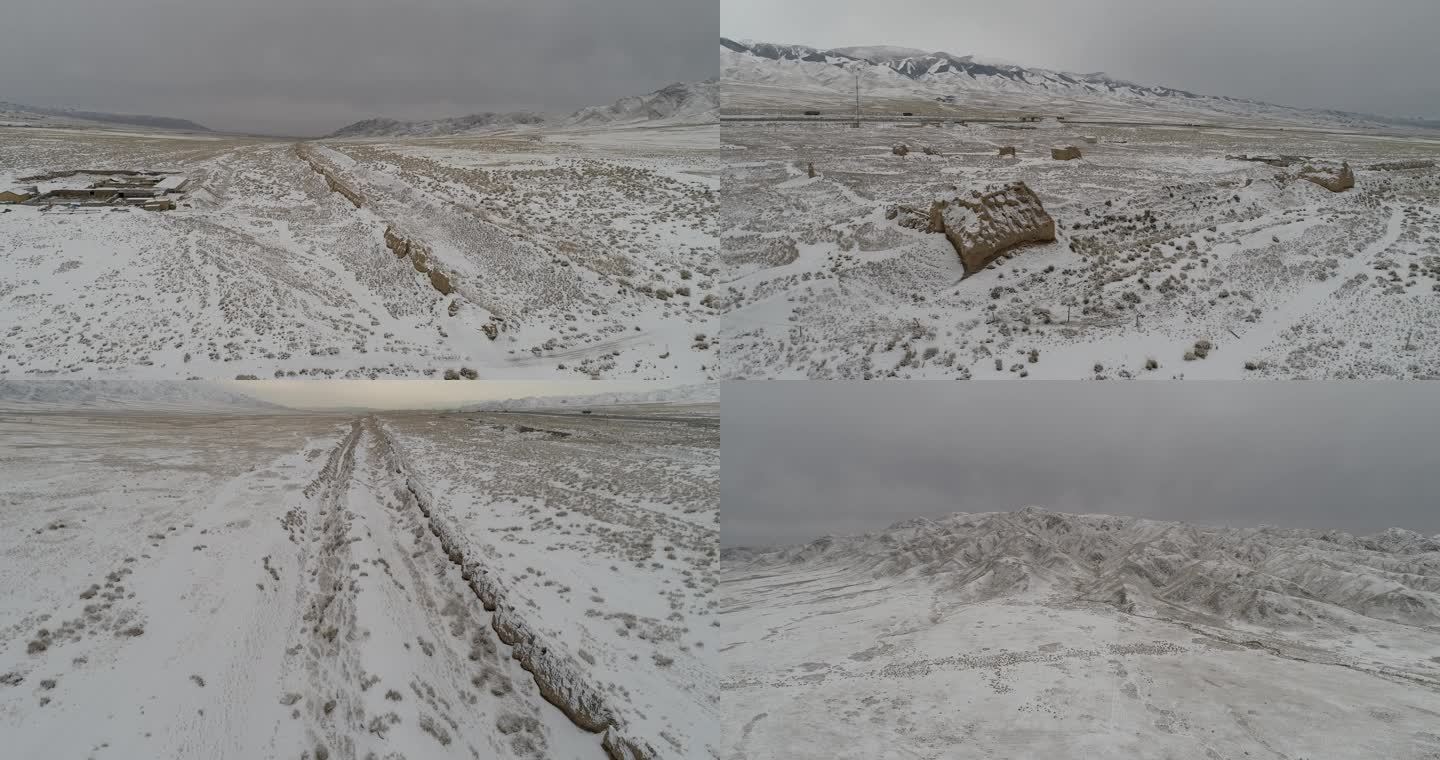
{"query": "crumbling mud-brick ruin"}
[(983, 224)]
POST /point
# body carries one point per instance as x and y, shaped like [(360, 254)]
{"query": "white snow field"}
[(255, 583), (1038, 634), (526, 254)]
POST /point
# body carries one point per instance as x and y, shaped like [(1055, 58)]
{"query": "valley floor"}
[(318, 585)]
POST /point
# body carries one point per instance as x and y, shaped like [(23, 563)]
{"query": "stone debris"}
[(1334, 181)]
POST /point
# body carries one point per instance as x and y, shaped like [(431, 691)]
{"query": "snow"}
[(999, 633), (280, 584), (263, 271), (616, 554), (1162, 242)]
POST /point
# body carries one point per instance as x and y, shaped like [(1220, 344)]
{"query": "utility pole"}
[(857, 98)]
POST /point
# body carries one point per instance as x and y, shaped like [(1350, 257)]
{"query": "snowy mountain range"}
[(1265, 576), (681, 103), (754, 74), (480, 122), (15, 113)]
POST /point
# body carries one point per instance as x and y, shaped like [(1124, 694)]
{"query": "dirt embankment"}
[(559, 677), (417, 252), (336, 185)]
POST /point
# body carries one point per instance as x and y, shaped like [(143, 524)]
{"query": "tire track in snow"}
[(395, 653)]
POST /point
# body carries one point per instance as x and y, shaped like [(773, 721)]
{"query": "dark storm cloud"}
[(1377, 57), (309, 66), (803, 459)]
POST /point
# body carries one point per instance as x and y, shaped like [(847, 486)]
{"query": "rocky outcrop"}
[(419, 255), (911, 217), (440, 282), (399, 245), (1332, 180), (983, 225), (1068, 153), (620, 748), (1007, 150)]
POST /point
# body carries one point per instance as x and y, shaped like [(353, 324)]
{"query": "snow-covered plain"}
[(587, 253), (1037, 634), (1162, 243), (269, 584)]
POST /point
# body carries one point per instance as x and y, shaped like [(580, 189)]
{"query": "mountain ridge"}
[(940, 74), (1280, 577), (10, 110), (678, 103)]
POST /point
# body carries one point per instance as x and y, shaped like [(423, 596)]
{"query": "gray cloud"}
[(804, 459), (310, 66), (1370, 57)]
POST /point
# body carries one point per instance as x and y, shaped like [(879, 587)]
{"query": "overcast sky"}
[(1379, 56), (800, 460), (312, 66)]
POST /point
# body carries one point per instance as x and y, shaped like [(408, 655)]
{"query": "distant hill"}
[(480, 122), (681, 103), (42, 116)]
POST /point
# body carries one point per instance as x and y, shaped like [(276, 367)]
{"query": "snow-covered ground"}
[(582, 254), (1162, 242), (1037, 634), (275, 584), (597, 539)]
